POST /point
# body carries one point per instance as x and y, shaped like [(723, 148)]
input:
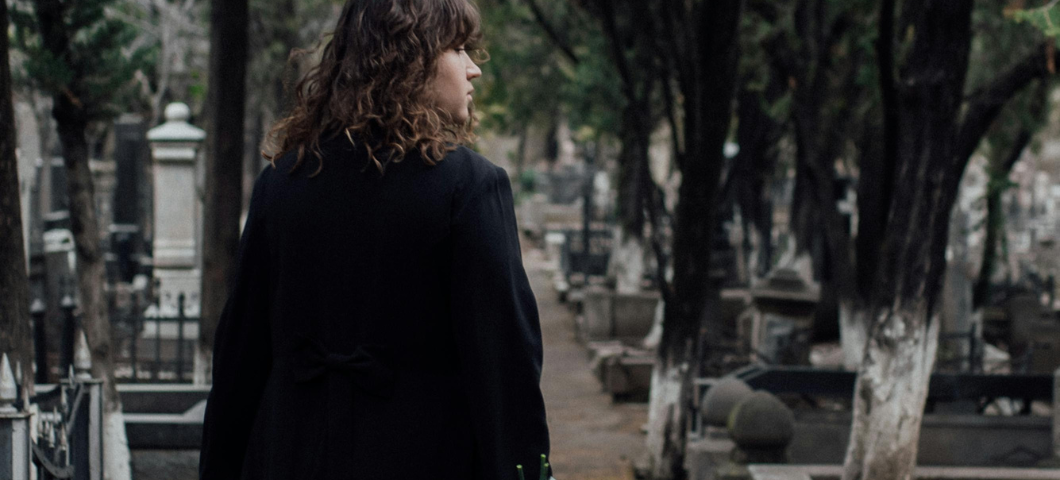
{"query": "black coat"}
[(379, 327)]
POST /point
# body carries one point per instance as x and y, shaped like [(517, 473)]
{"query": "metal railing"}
[(58, 434), (150, 345)]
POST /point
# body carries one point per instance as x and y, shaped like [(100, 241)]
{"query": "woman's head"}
[(394, 77)]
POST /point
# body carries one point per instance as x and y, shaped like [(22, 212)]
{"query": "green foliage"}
[(527, 80), (96, 66), (1045, 18)]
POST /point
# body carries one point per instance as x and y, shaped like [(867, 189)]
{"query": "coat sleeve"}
[(498, 333), (241, 359)]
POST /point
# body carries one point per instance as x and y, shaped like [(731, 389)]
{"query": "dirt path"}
[(592, 439)]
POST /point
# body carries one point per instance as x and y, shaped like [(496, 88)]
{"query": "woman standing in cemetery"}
[(381, 325)]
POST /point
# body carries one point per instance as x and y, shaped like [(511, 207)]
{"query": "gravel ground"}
[(592, 438)]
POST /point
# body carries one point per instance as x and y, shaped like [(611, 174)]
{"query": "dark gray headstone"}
[(131, 153)]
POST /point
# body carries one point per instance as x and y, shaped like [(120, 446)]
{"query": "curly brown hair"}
[(371, 82)]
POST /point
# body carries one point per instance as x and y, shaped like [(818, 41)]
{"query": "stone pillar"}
[(177, 248)]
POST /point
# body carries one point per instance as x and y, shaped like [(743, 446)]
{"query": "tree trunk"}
[(994, 226), (15, 338), (72, 120), (890, 394), (628, 258), (665, 440), (95, 319), (903, 307), (692, 334), (226, 101), (757, 135), (998, 181)]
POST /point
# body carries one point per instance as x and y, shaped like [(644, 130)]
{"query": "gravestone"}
[(607, 315), (103, 181), (131, 153), (627, 377), (177, 210), (595, 322), (634, 314), (781, 317)]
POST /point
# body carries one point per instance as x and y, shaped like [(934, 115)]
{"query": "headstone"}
[(1044, 346), (595, 321), (130, 154), (59, 199), (104, 181), (564, 186), (1022, 310), (627, 377), (610, 316), (177, 210), (59, 279), (634, 314), (783, 308)]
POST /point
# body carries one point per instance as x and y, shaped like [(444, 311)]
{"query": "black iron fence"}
[(156, 346), (152, 344), (58, 434)]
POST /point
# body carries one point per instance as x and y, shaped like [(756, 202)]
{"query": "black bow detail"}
[(363, 367)]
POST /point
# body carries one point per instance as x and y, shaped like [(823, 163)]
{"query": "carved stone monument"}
[(177, 210)]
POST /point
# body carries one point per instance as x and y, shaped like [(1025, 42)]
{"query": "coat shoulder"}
[(469, 168)]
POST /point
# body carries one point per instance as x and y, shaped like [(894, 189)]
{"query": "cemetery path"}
[(592, 438)]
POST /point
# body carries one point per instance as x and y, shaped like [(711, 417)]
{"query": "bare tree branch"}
[(986, 103), (553, 34)]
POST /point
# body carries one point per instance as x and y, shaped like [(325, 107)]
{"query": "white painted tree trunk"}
[(890, 394), (117, 461), (654, 336), (627, 262), (853, 334), (203, 373), (664, 422)]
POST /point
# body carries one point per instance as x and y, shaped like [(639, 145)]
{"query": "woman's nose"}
[(473, 71)]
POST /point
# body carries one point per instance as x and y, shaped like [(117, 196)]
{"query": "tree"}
[(547, 60), (1009, 138), (75, 52), (226, 107), (685, 52), (14, 303), (1012, 132), (819, 47), (174, 31), (931, 126), (912, 136), (699, 52), (633, 54)]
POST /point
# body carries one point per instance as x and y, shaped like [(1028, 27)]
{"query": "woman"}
[(381, 325)]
